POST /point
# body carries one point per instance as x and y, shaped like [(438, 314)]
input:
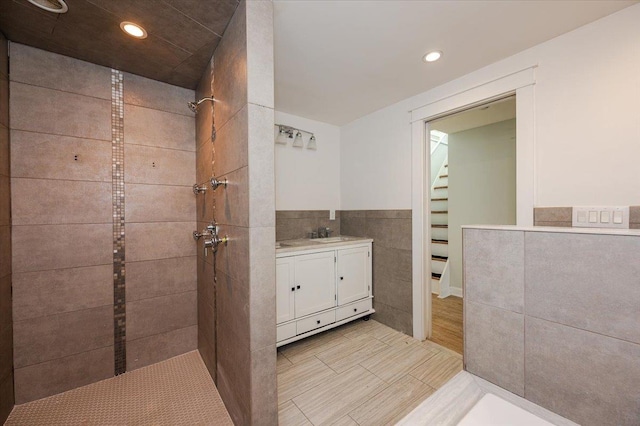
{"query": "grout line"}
[(302, 412), (160, 147), (108, 100), (165, 332), (64, 357), (164, 110), (13, 272), (85, 138), (63, 180), (177, 293), (63, 313)]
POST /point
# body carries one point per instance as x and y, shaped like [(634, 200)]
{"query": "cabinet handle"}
[(355, 309), (298, 287), (293, 289), (318, 321), (341, 278)]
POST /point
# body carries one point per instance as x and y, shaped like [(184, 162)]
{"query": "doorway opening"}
[(472, 182)]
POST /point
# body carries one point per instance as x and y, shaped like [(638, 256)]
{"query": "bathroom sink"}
[(332, 239)]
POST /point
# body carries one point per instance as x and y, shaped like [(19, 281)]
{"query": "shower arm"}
[(193, 106)]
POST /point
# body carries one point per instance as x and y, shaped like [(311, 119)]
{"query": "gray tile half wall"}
[(562, 327), (294, 224)]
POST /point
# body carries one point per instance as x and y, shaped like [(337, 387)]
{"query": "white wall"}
[(376, 160), (308, 179), (482, 183), (587, 131)]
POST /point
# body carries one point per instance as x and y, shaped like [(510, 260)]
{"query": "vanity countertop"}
[(287, 246)]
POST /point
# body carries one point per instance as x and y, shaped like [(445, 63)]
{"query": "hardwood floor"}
[(447, 322), (362, 373)]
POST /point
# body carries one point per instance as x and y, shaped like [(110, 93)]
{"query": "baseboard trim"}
[(456, 291)]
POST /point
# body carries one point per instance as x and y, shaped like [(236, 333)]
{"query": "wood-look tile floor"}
[(362, 373), (446, 326)]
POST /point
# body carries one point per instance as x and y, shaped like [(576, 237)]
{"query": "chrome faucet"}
[(213, 231), (324, 232)]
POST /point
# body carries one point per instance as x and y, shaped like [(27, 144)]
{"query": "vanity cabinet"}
[(319, 288)]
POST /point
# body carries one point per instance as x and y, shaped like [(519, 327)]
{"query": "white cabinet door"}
[(354, 274), (315, 280), (285, 289)]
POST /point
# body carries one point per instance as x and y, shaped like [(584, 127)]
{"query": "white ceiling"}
[(336, 61)]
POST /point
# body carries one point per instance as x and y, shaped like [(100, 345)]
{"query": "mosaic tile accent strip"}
[(117, 179)]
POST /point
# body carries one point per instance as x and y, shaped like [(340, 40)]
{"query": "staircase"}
[(440, 233)]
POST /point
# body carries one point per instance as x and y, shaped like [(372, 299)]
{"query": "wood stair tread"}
[(439, 211), (444, 176), (435, 276), (439, 241), (439, 199), (439, 258), (441, 187), (440, 226)]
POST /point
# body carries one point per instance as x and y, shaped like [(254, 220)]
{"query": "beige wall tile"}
[(204, 164), (392, 233), (5, 200), (262, 287), (262, 194), (552, 214), (38, 155), (161, 240), (47, 69), (264, 394), (6, 250), (233, 259), (233, 373), (231, 144), (159, 347), (6, 355), (159, 166), (43, 339), (160, 314), (159, 203), (502, 361), (260, 68), (59, 113), (572, 281), (153, 278), (52, 377), (4, 151), (634, 214), (6, 313), (555, 224), (392, 317), (37, 294), (4, 100), (42, 247), (586, 377), (232, 202), (59, 201), (207, 351), (230, 59), (154, 94), (6, 397), (494, 268), (152, 127), (233, 307), (206, 286), (207, 320)]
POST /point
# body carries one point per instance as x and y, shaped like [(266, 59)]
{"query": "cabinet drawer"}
[(353, 309), (285, 331), (315, 321)]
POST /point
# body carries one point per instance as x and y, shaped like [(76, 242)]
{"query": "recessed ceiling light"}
[(55, 6), (133, 30), (432, 56)]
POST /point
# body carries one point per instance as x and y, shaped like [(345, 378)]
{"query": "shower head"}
[(193, 106)]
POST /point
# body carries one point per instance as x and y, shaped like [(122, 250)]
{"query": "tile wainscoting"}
[(562, 216), (294, 224)]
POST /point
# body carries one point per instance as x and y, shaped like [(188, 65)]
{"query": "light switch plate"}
[(600, 217), (332, 214)]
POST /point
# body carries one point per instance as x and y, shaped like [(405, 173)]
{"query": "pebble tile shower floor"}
[(178, 391)]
